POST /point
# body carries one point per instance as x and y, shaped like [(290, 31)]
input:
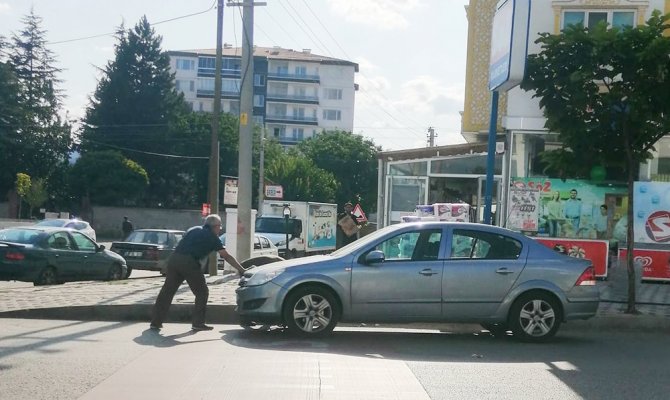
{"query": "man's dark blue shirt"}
[(198, 242)]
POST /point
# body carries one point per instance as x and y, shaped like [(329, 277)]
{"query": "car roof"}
[(46, 229), (158, 230), (461, 225)]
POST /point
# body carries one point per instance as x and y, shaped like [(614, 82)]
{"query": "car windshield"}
[(51, 222), (364, 240), (150, 237), (24, 236)]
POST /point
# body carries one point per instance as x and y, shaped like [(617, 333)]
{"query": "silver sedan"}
[(425, 272)]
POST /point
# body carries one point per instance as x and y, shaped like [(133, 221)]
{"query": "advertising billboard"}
[(651, 211), (595, 250)]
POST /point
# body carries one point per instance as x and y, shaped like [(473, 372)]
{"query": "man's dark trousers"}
[(182, 267)]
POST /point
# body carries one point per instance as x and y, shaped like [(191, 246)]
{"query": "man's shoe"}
[(202, 327), (155, 327)]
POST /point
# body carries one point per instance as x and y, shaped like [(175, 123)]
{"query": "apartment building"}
[(297, 94)]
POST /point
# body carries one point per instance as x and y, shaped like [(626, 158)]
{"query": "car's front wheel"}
[(311, 311), (115, 273), (535, 317), (128, 271)]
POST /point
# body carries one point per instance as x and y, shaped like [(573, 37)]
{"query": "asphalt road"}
[(109, 360)]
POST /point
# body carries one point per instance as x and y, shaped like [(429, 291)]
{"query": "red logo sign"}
[(595, 250), (658, 226)]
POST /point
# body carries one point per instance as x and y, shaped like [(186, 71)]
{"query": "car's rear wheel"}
[(535, 317), (115, 273), (311, 311), (128, 273), (48, 276)]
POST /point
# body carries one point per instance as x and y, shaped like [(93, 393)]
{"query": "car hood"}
[(114, 256), (292, 263)]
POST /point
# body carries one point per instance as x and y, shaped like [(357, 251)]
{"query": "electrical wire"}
[(148, 152), (155, 23)]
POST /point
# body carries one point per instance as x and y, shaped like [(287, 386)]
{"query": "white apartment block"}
[(297, 94)]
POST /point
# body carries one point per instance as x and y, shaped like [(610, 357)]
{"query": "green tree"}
[(36, 195), (36, 139), (352, 160), (22, 185), (606, 92), (108, 178), (300, 178), (136, 110)]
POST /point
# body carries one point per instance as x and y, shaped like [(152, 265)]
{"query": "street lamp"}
[(287, 214)]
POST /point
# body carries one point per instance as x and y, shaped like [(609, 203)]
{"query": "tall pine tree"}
[(135, 109), (35, 137)]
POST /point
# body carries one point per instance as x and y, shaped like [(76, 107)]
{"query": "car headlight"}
[(263, 277)]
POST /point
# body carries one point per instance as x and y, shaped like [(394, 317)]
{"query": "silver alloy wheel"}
[(537, 318), (312, 313)]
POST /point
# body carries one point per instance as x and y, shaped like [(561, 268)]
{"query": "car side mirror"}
[(374, 257), (101, 247)]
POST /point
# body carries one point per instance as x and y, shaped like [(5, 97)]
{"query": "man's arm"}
[(232, 261)]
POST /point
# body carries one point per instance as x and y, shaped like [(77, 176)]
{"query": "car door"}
[(407, 285), (63, 256), (94, 263), (479, 271)]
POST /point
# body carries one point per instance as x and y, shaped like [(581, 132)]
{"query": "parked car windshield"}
[(276, 225), (24, 236), (51, 222)]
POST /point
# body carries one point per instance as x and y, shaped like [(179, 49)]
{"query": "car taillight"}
[(587, 278), (14, 256), (151, 254)]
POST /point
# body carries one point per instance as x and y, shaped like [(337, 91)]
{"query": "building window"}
[(333, 94), (591, 18), (259, 100), (191, 86), (258, 120), (177, 84), (278, 132), (230, 85), (332, 115), (259, 80), (206, 62), (185, 64), (301, 71), (206, 85), (298, 133), (200, 107)]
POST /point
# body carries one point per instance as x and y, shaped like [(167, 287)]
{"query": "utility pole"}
[(431, 136), (261, 175), (246, 129), (213, 195)]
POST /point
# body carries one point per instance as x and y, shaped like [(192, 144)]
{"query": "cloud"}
[(381, 14), (4, 8), (427, 95)]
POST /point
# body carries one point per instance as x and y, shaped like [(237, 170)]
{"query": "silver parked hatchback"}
[(425, 272)]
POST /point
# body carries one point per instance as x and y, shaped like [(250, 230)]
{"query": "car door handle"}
[(427, 272), (504, 271)]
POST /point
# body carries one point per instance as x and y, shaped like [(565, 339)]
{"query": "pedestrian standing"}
[(184, 264), (127, 227)]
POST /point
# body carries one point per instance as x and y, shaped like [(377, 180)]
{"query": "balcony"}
[(291, 119), (209, 94), (292, 98), (288, 140), (225, 73), (286, 77)]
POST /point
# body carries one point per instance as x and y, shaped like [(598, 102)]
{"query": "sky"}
[(411, 53)]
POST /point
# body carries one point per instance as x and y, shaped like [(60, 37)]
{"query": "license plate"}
[(134, 254)]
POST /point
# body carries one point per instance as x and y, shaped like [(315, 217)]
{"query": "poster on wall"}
[(576, 208), (651, 211), (655, 264), (522, 213), (230, 192), (595, 250)]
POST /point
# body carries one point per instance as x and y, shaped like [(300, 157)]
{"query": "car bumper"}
[(10, 272), (149, 265), (580, 309), (259, 303)]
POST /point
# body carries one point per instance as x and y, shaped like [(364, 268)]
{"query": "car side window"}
[(484, 245), (83, 242), (60, 241), (265, 243), (257, 243), (412, 246), (177, 238)]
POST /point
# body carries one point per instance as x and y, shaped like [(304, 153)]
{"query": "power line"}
[(148, 152), (155, 23)]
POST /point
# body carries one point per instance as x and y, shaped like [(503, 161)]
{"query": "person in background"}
[(184, 264), (600, 222), (127, 227), (554, 214), (347, 226), (573, 210)]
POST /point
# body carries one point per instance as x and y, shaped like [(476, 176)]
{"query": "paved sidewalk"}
[(132, 300)]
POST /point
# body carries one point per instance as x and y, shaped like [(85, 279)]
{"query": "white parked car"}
[(264, 252), (77, 224)]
